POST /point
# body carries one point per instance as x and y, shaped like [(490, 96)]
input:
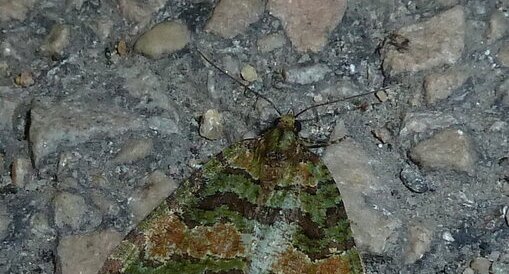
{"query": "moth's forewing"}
[(267, 205)]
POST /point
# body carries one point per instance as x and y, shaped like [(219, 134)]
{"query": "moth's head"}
[(288, 122)]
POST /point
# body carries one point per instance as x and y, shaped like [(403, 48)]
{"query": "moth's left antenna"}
[(246, 87)]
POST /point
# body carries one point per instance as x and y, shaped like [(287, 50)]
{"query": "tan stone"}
[(232, 17), (437, 41), (503, 55), (440, 85), (308, 23), (163, 39)]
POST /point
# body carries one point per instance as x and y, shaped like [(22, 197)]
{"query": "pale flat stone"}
[(72, 212), (211, 126), (232, 17), (419, 241), (21, 171), (418, 122), (134, 150), (437, 41), (15, 9), (5, 221), (307, 74), (56, 41), (503, 55), (448, 149), (10, 100), (163, 39), (348, 164), (271, 42), (76, 121), (440, 85), (308, 23), (498, 26), (139, 11), (85, 254), (480, 265), (158, 186)]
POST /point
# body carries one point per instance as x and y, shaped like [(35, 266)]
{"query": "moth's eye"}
[(297, 126)]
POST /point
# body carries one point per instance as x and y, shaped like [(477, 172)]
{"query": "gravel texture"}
[(105, 106)]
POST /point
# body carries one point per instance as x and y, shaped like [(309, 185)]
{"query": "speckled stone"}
[(163, 39), (498, 26), (437, 41), (503, 55), (448, 149), (418, 122)]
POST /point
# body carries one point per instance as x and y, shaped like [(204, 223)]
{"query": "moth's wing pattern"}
[(248, 210)]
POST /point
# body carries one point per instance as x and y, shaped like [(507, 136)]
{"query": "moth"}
[(262, 205)]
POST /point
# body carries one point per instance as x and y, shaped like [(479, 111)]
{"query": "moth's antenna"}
[(239, 82), (335, 101)]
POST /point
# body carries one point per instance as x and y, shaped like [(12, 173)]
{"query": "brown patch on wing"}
[(293, 261)]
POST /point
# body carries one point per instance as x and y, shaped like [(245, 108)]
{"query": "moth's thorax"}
[(283, 136)]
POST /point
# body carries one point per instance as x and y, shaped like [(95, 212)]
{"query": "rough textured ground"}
[(104, 110)]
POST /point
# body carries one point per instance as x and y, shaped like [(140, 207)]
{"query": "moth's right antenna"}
[(239, 82), (335, 101)]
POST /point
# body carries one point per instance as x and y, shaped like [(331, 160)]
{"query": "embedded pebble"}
[(308, 23), (307, 74), (15, 9), (382, 134), (21, 171), (500, 267), (419, 241), (413, 179), (86, 253), (56, 41), (271, 42), (9, 102), (480, 265), (163, 39), (503, 90), (448, 149), (232, 17), (40, 226), (134, 150), (158, 186), (351, 168), (439, 86), (139, 11), (24, 79), (2, 163), (418, 122), (437, 41), (448, 236), (211, 126), (498, 26), (468, 270), (503, 55), (75, 121), (72, 212), (5, 221), (248, 73)]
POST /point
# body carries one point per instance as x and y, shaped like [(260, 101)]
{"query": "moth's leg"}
[(323, 144)]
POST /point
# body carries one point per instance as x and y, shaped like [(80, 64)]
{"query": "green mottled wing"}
[(261, 206)]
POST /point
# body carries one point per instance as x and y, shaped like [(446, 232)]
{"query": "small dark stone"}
[(413, 180)]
